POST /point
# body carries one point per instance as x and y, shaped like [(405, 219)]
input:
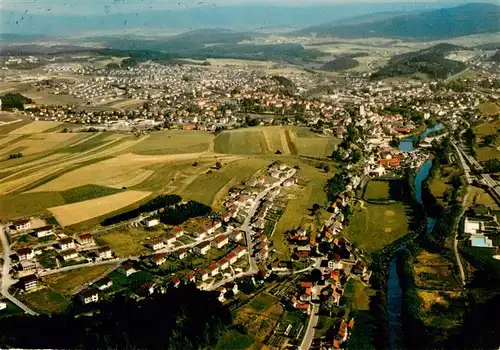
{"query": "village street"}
[(7, 281)]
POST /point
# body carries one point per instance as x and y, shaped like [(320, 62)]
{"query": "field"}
[(46, 300), (127, 241), (35, 128), (70, 214), (234, 340), (300, 202), (174, 142), (432, 271), (376, 190), (67, 282), (269, 140), (492, 151), (489, 108), (478, 196), (373, 226), (260, 316)]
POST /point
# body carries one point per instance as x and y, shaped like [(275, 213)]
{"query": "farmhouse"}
[(25, 254), (220, 241), (21, 225), (190, 277), (86, 239), (66, 243), (177, 231), (202, 248), (175, 281), (69, 254), (89, 296), (104, 253), (159, 259), (157, 244), (28, 282), (104, 283), (43, 231)]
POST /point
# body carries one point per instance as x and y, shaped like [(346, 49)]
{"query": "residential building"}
[(21, 225), (66, 243), (43, 231), (232, 258), (220, 241), (28, 282), (177, 231), (180, 253), (127, 269), (157, 244), (213, 269), (69, 254), (170, 239), (175, 281), (86, 239), (104, 283), (25, 254), (159, 259), (202, 248), (104, 253), (236, 235), (190, 277), (223, 263), (240, 251), (203, 274), (89, 296), (151, 222)]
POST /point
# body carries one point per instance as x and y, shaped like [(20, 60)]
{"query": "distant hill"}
[(444, 23), (340, 64), (430, 61), (496, 56)]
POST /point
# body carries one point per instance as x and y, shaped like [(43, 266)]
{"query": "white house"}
[(151, 222), (21, 225), (66, 243), (220, 241), (89, 296), (202, 248), (105, 253), (44, 231), (157, 244), (25, 254), (69, 254)]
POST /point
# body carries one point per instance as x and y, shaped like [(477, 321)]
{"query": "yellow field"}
[(40, 143), (36, 127), (479, 196), (74, 213)]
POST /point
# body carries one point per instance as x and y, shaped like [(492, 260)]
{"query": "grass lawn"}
[(359, 304), (234, 340), (486, 153), (489, 108), (438, 186), (67, 282), (263, 301), (127, 241), (25, 204), (315, 146), (130, 283), (298, 207), (377, 190), (373, 226), (243, 141), (210, 188), (86, 192), (324, 324), (481, 197), (174, 142), (11, 310), (46, 300)]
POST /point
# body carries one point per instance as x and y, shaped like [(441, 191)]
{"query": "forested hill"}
[(430, 61), (429, 25), (183, 318)]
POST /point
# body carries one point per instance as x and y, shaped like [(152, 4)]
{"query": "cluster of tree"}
[(13, 100), (183, 318), (491, 165), (182, 212), (488, 140), (470, 140), (334, 186), (340, 64), (414, 331), (162, 201), (284, 81), (15, 155), (429, 61)]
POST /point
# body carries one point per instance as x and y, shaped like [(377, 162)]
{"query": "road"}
[(251, 212), (455, 242), (313, 320), (7, 281)]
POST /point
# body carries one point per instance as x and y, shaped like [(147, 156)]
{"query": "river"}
[(406, 144), (394, 292)]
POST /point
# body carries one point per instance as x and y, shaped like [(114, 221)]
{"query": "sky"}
[(124, 6)]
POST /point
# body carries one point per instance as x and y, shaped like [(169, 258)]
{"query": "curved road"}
[(7, 281)]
